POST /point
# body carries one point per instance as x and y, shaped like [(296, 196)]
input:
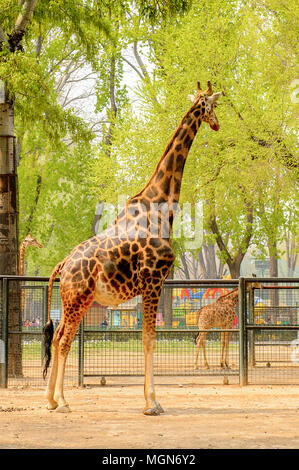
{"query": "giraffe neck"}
[(21, 260), (231, 297), (165, 183)]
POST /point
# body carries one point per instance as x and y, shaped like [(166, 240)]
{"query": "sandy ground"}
[(196, 417)]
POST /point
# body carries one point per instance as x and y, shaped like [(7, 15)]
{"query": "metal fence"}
[(263, 344)]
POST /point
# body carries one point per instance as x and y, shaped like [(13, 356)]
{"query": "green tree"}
[(248, 50), (33, 35), (39, 39)]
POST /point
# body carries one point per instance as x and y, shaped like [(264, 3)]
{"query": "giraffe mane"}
[(228, 294), (175, 134)]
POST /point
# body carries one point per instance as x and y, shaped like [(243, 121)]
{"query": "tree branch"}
[(140, 62), (3, 37), (133, 67), (248, 233), (219, 240), (15, 38), (264, 143)]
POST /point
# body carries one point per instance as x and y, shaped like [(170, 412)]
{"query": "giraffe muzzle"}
[(215, 126)]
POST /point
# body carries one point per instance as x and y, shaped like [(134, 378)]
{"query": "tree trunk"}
[(291, 253), (9, 229), (210, 257), (273, 272), (235, 268), (185, 265)]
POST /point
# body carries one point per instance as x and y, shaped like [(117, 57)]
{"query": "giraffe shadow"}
[(229, 411)]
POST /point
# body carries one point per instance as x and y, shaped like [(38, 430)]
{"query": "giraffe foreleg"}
[(197, 351), (222, 335), (226, 349), (152, 406)]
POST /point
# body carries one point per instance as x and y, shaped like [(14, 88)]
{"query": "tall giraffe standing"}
[(27, 241), (131, 257), (219, 314)]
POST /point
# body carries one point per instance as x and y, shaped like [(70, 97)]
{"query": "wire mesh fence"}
[(273, 334), (113, 353), (261, 348)]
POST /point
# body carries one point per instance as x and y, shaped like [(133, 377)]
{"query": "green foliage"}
[(56, 203), (248, 50), (61, 209)]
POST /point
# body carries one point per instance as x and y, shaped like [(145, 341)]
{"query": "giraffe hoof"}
[(159, 408), (63, 409), (52, 406), (152, 411)]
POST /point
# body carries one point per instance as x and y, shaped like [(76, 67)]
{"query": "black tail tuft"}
[(195, 338), (48, 332)]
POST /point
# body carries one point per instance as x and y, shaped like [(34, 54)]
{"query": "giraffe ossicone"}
[(126, 259)]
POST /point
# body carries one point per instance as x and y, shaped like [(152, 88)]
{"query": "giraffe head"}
[(254, 285), (205, 103), (30, 241)]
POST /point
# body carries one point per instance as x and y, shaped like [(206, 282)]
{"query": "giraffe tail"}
[(48, 330)]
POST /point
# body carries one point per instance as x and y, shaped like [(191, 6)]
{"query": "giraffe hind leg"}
[(52, 404), (197, 351), (201, 342), (62, 341), (64, 347)]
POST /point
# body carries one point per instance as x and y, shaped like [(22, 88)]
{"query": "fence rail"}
[(263, 343)]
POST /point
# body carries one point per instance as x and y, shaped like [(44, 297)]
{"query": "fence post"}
[(251, 334), (242, 333), (81, 354), (44, 315), (4, 339)]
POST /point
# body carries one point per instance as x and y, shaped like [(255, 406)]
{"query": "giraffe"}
[(221, 314), (27, 241), (133, 256)]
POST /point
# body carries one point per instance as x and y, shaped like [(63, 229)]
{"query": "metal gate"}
[(263, 346), (270, 332)]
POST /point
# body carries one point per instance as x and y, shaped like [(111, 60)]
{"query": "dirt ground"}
[(196, 417)]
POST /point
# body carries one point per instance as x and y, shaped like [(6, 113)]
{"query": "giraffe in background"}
[(133, 256), (221, 314), (27, 241)]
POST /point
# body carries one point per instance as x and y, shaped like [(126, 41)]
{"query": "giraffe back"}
[(220, 313)]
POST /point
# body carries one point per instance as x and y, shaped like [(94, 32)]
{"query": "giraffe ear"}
[(191, 98), (214, 97)]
